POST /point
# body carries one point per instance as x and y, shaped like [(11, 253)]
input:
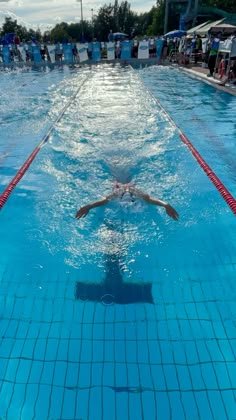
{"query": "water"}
[(166, 348)]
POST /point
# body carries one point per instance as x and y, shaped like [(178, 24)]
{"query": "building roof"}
[(225, 28), (195, 29), (206, 28)]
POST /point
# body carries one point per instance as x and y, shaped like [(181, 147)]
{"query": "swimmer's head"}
[(117, 185), (126, 195), (125, 187)]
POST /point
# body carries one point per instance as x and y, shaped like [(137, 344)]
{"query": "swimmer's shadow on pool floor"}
[(113, 289)]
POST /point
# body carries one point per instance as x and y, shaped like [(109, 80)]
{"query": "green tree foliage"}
[(125, 18), (59, 32), (104, 21), (70, 32), (11, 26), (156, 20), (226, 5), (117, 17)]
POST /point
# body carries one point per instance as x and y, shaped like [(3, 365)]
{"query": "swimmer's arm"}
[(83, 211), (169, 209)]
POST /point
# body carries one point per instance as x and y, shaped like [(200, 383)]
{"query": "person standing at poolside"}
[(110, 36), (127, 192), (213, 54)]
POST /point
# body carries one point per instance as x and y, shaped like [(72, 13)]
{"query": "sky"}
[(44, 14)]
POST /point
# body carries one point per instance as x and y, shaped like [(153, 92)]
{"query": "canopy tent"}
[(225, 28), (196, 28), (205, 29)]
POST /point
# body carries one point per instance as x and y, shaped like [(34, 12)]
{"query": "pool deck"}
[(201, 74)]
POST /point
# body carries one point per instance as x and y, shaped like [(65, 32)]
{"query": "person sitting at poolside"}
[(124, 192)]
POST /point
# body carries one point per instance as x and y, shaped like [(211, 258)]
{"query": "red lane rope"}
[(227, 196), (11, 186), (8, 190), (224, 192)]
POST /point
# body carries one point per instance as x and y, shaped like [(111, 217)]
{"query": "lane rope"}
[(21, 172), (224, 192)]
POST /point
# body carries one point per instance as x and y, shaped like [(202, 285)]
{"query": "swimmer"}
[(127, 192)]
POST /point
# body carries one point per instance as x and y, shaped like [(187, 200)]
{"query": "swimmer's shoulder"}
[(136, 192)]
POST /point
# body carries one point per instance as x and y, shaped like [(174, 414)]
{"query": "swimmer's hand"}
[(171, 212), (83, 211)]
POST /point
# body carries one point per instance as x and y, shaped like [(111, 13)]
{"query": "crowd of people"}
[(183, 50), (15, 49), (206, 50)]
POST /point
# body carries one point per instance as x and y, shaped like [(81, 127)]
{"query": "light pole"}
[(166, 16), (92, 24), (82, 19)]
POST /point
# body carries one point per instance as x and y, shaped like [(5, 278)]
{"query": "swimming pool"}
[(69, 350)]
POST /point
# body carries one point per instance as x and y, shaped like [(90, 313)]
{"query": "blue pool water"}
[(125, 314)]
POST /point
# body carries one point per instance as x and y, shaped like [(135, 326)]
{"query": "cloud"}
[(57, 19), (33, 13)]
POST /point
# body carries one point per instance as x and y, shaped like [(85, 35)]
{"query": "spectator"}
[(164, 49), (110, 36), (232, 72), (43, 50), (152, 47), (213, 54), (16, 40), (74, 51), (135, 48), (198, 49), (118, 49), (58, 52)]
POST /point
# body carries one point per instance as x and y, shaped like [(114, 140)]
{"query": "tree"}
[(60, 32), (119, 18), (125, 18), (226, 5), (104, 21), (47, 36), (9, 26), (32, 34)]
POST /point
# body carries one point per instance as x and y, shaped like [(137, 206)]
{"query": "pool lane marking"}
[(224, 192), (11, 186)]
